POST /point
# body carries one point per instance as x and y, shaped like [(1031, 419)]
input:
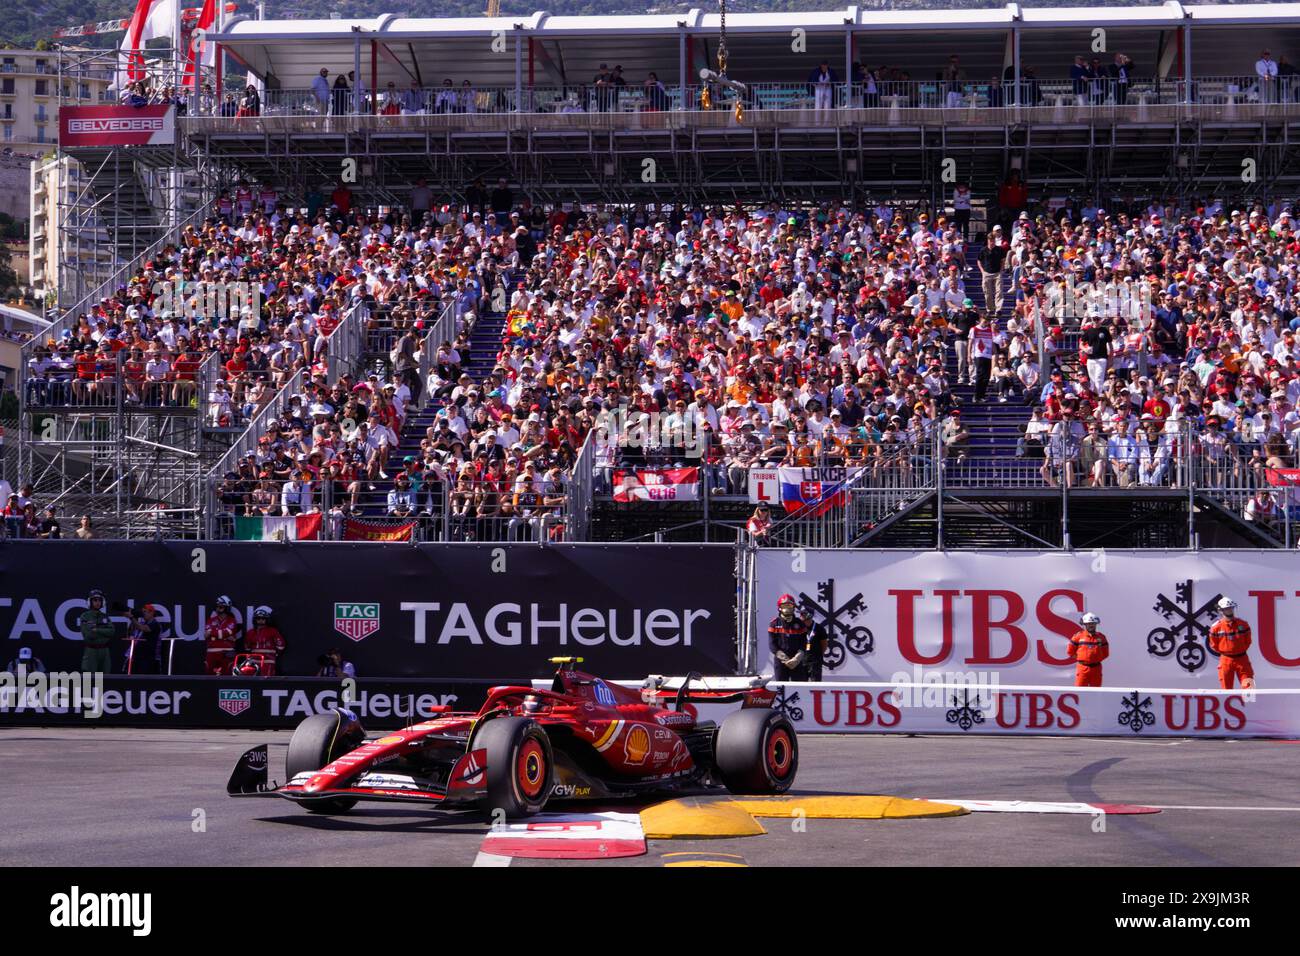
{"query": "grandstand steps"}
[(123, 205)]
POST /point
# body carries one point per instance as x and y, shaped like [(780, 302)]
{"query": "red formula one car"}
[(582, 739)]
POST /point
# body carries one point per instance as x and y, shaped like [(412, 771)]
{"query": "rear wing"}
[(698, 689)]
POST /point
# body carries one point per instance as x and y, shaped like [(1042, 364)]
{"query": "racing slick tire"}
[(315, 743), (520, 766), (756, 751)]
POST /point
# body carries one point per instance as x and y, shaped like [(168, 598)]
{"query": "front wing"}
[(466, 783)]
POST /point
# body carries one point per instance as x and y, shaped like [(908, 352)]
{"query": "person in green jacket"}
[(97, 630)]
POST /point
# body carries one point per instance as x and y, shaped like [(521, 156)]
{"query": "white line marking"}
[(491, 859), (1260, 809)]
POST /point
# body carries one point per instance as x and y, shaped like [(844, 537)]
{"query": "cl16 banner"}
[(427, 610), (662, 484), (1008, 616)]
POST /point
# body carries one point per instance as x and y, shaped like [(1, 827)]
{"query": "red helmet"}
[(246, 669), (785, 599)]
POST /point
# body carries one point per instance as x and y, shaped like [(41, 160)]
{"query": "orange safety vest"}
[(1230, 637), (1090, 649)]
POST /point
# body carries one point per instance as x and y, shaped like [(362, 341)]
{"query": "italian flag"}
[(292, 528)]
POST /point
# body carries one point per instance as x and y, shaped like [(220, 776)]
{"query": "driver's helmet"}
[(532, 704), (247, 668)]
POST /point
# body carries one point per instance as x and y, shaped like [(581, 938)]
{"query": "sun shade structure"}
[(541, 49)]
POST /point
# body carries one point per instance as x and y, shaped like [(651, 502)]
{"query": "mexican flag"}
[(292, 528)]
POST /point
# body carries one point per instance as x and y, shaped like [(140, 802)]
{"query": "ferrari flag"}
[(667, 484), (355, 529)]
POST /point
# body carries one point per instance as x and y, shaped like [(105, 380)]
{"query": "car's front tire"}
[(318, 742), (756, 751), (520, 766)]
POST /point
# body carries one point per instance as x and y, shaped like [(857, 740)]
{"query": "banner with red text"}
[(354, 529), (909, 708), (116, 126), (1007, 616), (662, 484)]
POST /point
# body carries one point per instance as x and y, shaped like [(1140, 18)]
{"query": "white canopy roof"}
[(289, 53)]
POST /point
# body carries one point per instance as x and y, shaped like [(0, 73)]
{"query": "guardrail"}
[(883, 101), (350, 344), (442, 329)]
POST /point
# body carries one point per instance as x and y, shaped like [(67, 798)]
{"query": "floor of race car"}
[(134, 797)]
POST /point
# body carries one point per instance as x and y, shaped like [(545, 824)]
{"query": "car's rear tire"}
[(756, 751), (317, 742), (520, 766)]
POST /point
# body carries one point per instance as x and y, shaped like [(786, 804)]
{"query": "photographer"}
[(332, 664), (144, 651)]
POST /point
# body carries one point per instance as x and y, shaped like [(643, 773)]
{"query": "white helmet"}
[(1226, 602), (261, 611), (223, 601), (1090, 618)]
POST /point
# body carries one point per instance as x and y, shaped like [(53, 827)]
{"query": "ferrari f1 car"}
[(584, 739)]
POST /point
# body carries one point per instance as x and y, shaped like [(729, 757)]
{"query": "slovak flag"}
[(805, 491)]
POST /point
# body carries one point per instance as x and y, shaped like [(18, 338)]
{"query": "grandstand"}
[(539, 240)]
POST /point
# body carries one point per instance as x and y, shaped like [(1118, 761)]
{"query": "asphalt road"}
[(136, 797)]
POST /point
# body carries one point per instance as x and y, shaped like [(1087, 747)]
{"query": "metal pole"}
[(1065, 498), (1015, 66), (1187, 60), (848, 66), (704, 477), (519, 69), (356, 69), (936, 456), (1191, 489), (119, 418), (681, 66)]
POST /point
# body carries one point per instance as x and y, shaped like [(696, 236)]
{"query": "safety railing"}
[(871, 101), (440, 333), (116, 380), (350, 344), (437, 509)]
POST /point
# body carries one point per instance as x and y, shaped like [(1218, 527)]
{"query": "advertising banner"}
[(1007, 617), (662, 484), (225, 703), (102, 126), (871, 708), (429, 611)]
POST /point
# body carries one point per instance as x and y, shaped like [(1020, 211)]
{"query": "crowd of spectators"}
[(738, 338)]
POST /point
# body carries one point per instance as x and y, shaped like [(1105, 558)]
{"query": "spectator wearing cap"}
[(26, 661)]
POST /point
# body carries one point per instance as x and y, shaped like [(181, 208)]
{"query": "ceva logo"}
[(356, 621)]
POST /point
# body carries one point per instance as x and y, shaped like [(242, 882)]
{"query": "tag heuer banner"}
[(240, 703), (1008, 616), (427, 610), (116, 126)]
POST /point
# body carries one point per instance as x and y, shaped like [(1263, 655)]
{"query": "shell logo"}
[(636, 746), (392, 739)]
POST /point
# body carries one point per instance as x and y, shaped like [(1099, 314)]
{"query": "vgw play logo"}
[(356, 621)]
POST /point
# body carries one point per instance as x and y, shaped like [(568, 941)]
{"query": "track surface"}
[(129, 797)]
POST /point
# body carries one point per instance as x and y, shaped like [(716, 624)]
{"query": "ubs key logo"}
[(356, 621), (836, 621), (1189, 628)]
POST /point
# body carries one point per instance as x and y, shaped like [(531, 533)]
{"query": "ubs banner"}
[(444, 611), (1007, 617), (234, 703)]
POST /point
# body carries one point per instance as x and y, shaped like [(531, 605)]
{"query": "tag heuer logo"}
[(356, 621), (234, 702)]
